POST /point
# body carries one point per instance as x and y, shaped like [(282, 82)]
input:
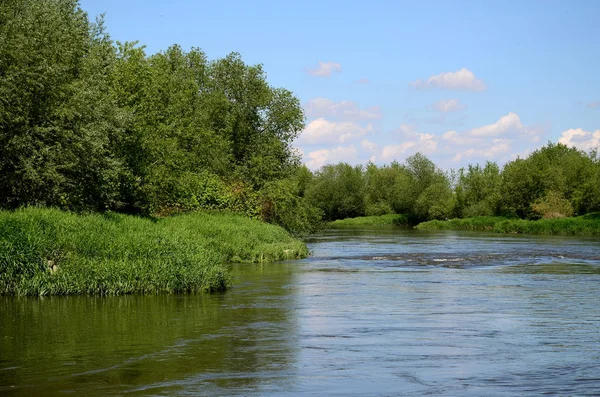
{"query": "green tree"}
[(478, 190), (57, 123), (259, 122), (388, 189), (553, 171), (429, 189), (338, 191)]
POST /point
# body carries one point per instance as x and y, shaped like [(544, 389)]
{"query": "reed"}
[(52, 252)]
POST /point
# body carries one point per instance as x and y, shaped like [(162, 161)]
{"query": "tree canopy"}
[(89, 124)]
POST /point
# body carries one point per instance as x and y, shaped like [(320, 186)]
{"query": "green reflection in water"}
[(148, 344)]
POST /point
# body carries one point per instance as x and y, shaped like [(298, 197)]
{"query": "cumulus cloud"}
[(499, 148), (583, 140), (509, 124), (448, 105), (593, 105), (325, 69), (318, 158), (368, 145), (462, 79), (455, 138), (325, 131), (491, 142), (511, 121), (412, 142), (345, 110)]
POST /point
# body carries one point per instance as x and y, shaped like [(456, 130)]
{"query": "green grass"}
[(371, 221), (587, 225), (51, 252)]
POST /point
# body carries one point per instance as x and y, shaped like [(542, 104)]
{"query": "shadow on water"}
[(148, 344)]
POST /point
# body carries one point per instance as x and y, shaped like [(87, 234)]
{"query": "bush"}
[(553, 205)]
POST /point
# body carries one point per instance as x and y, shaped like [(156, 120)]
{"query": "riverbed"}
[(387, 312)]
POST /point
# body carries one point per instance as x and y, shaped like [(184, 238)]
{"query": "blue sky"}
[(461, 81)]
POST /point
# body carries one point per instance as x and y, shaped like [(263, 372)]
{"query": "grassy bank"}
[(587, 225), (372, 221), (50, 252)]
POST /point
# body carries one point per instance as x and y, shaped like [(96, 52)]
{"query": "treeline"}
[(87, 124), (554, 181), (90, 125)]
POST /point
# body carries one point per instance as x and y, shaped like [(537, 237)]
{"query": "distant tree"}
[(478, 190), (553, 171), (430, 188), (338, 191), (388, 189)]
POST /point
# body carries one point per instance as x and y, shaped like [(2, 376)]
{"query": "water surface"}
[(377, 313)]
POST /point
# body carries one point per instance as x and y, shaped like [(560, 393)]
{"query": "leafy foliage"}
[(554, 181), (339, 191), (88, 124)]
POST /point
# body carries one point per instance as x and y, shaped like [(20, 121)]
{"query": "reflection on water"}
[(389, 312)]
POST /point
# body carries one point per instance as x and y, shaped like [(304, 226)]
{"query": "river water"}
[(389, 312)]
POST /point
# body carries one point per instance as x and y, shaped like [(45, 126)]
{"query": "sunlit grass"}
[(51, 252), (587, 225), (367, 221)]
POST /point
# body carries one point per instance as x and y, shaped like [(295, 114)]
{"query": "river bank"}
[(372, 221), (586, 225), (52, 252)]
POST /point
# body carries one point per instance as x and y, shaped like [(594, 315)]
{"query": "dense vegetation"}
[(588, 225), (372, 221), (46, 251), (553, 182), (87, 124)]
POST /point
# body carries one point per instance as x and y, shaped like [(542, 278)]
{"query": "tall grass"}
[(51, 252), (371, 221), (587, 225)]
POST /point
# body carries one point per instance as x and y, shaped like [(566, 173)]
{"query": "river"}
[(390, 312)]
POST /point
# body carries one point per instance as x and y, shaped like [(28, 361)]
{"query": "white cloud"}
[(454, 137), (500, 147), (462, 79), (345, 110), (412, 142), (509, 124), (368, 145), (448, 105), (318, 158), (325, 69), (581, 139), (325, 131), (511, 121), (493, 142)]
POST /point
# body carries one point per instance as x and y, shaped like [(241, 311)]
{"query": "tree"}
[(388, 189), (57, 123), (478, 190), (429, 188), (551, 172), (338, 190)]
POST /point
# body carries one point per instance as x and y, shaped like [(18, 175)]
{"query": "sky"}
[(462, 82)]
